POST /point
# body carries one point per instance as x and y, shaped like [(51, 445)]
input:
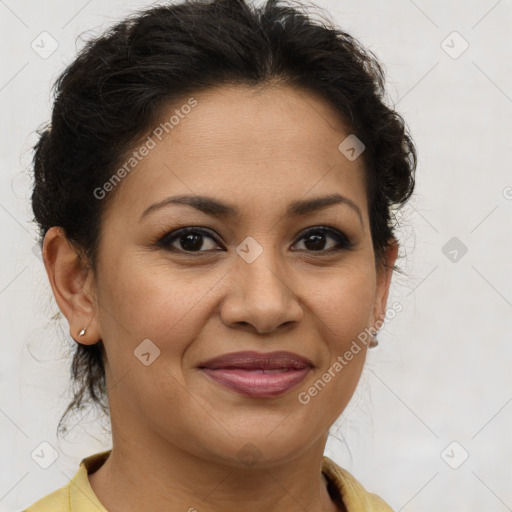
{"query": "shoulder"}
[(355, 497), (77, 495)]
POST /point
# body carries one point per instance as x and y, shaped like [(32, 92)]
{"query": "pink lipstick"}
[(258, 375)]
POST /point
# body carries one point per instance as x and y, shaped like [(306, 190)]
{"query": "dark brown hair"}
[(113, 93)]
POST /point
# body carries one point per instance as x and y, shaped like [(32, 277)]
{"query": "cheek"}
[(342, 308), (157, 305), (153, 303), (343, 304)]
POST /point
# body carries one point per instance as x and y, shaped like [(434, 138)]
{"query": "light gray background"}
[(442, 370)]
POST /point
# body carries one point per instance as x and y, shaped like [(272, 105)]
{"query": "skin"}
[(174, 429)]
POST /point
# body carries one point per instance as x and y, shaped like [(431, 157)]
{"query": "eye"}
[(316, 238), (191, 239)]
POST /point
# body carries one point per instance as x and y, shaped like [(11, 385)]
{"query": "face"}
[(258, 275)]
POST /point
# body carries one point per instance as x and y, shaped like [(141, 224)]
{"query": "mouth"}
[(258, 375)]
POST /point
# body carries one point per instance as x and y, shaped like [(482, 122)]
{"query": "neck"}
[(141, 475)]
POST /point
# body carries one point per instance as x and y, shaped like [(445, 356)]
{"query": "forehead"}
[(263, 147)]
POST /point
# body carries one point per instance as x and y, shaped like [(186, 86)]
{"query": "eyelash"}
[(344, 243)]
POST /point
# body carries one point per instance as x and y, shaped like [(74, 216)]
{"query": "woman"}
[(215, 196)]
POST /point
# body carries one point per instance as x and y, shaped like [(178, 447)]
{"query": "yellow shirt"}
[(77, 495)]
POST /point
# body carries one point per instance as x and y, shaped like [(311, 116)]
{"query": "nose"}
[(261, 297)]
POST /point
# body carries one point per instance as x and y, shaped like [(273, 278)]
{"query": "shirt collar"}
[(346, 488), (81, 494)]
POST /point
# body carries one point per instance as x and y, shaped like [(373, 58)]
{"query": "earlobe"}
[(72, 285), (384, 275)]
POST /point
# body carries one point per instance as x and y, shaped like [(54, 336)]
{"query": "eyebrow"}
[(217, 208)]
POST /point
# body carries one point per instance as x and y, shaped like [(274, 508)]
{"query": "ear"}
[(72, 284), (384, 274)]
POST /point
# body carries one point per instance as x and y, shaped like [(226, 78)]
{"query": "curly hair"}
[(113, 93)]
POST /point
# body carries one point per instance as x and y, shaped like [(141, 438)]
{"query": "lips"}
[(258, 375), (250, 360)]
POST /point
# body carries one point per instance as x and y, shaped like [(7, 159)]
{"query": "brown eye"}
[(189, 239), (316, 239)]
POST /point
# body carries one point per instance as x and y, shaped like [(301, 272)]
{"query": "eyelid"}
[(171, 236)]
